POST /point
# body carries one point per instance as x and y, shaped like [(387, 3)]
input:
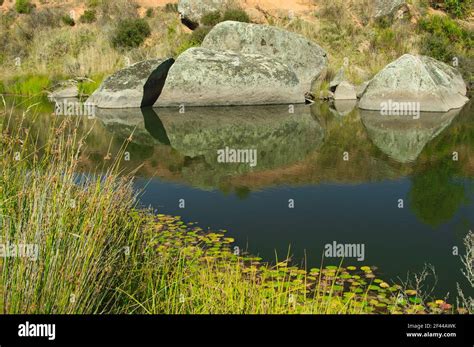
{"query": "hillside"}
[(56, 40)]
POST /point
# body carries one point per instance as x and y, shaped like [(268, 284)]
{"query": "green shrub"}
[(149, 12), (437, 47), (458, 8), (66, 19), (23, 6), (1, 2), (211, 18), (444, 38), (236, 14), (444, 27), (89, 16), (131, 33)]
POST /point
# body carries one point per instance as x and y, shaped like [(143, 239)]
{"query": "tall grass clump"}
[(79, 226)]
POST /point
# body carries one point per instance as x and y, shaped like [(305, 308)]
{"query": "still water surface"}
[(346, 171)]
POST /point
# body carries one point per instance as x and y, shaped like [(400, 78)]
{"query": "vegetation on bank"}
[(99, 253)]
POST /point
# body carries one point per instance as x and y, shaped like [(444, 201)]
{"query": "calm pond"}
[(401, 187)]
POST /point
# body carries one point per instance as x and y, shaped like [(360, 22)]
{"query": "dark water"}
[(345, 172)]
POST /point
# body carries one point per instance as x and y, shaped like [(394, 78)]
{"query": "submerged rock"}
[(138, 85), (306, 58), (205, 77), (431, 84), (403, 138)]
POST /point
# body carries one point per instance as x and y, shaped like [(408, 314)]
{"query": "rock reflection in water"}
[(402, 137)]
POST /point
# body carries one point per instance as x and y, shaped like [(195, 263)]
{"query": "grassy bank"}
[(97, 252)]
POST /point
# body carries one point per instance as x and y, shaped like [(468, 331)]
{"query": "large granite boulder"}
[(205, 77), (306, 58), (436, 86), (138, 85), (192, 11)]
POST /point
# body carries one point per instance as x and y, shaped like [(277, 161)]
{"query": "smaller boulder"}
[(340, 76), (65, 92), (345, 91), (192, 11)]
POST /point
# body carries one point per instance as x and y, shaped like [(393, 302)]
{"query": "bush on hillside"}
[(89, 16), (211, 18), (439, 48), (458, 8), (130, 33), (23, 6), (66, 19), (236, 14)]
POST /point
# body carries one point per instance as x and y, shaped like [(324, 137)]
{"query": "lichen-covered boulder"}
[(138, 85), (192, 11), (204, 77), (306, 58), (431, 84)]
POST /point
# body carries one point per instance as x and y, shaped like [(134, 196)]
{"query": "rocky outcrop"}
[(403, 138), (192, 11), (138, 85), (430, 84), (384, 8), (205, 77), (345, 91), (305, 58)]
